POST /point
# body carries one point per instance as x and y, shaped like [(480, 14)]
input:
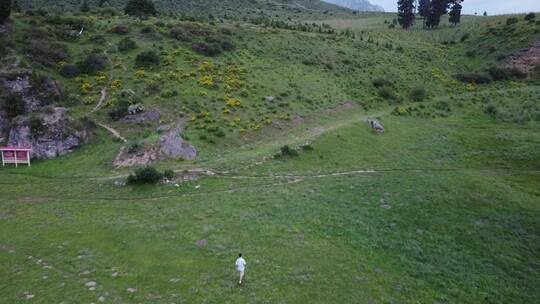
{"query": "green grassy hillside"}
[(228, 9), (441, 208)]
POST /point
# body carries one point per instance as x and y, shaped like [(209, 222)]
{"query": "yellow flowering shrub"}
[(207, 81), (86, 87), (141, 73), (233, 102), (116, 85), (233, 83), (101, 79), (206, 67)]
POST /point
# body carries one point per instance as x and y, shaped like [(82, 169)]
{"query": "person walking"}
[(240, 267)]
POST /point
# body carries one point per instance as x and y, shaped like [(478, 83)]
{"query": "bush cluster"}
[(497, 73), (473, 78), (286, 151), (120, 30), (13, 105), (147, 59), (380, 82), (94, 63), (148, 175), (126, 44), (418, 94), (204, 40), (45, 52)]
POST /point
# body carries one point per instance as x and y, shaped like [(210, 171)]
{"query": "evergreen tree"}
[(406, 13), (140, 8), (102, 2), (5, 10), (423, 7), (85, 8), (455, 12), (437, 9), (16, 6)]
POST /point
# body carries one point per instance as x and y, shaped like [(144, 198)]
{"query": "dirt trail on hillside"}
[(112, 131)]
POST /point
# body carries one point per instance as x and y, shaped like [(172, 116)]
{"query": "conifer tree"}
[(140, 8), (437, 9), (455, 12), (406, 13), (85, 8), (5, 10), (423, 7), (16, 6)]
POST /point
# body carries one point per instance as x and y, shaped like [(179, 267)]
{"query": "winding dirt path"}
[(112, 131)]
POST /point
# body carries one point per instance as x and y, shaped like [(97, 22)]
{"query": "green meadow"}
[(444, 207)]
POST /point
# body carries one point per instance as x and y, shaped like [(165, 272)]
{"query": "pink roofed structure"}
[(15, 155)]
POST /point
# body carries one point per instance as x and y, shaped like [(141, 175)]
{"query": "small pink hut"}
[(13, 155)]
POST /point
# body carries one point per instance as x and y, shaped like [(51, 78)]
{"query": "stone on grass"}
[(131, 290), (90, 284)]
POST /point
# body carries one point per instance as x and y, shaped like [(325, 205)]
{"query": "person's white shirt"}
[(240, 264)]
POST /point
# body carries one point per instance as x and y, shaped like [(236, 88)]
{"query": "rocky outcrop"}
[(50, 134), (172, 145), (376, 125), (139, 118), (526, 60), (35, 90)]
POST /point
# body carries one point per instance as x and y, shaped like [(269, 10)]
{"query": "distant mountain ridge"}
[(206, 7), (358, 5)]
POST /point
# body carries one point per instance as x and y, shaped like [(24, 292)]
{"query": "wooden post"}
[(3, 163), (16, 162), (28, 157)]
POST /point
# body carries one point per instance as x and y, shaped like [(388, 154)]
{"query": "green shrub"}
[(70, 71), (13, 105), (491, 109), (380, 82), (94, 63), (120, 30), (307, 147), (473, 78), (147, 59), (530, 17), (169, 174), (147, 30), (288, 151), (207, 49), (498, 73), (36, 126), (45, 52), (134, 148), (146, 175), (443, 105), (511, 20), (126, 44), (386, 93), (465, 37), (418, 94)]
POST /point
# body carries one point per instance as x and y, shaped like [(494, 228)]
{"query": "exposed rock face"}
[(376, 125), (149, 116), (36, 91), (527, 59), (172, 145), (50, 134)]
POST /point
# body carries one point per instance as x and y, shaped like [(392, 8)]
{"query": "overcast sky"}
[(493, 7)]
